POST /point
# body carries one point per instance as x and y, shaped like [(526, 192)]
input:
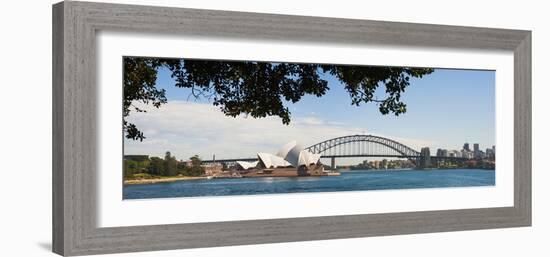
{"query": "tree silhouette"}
[(259, 89)]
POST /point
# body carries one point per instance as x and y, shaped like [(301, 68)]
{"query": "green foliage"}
[(157, 167), (140, 75), (361, 82), (195, 169), (195, 160), (143, 176), (170, 165), (132, 167), (259, 89), (127, 171)]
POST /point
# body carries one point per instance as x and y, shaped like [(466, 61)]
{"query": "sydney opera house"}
[(290, 160)]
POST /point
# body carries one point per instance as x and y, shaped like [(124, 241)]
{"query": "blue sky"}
[(444, 110)]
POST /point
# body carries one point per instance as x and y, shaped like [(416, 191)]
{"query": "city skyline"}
[(437, 117)]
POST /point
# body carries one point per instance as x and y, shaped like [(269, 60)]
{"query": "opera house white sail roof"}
[(247, 165), (297, 156), (286, 148), (290, 155), (272, 161)]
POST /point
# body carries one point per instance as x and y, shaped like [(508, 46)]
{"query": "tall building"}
[(490, 153), (477, 152), (476, 147), (442, 152), (467, 154), (466, 147), (425, 160)]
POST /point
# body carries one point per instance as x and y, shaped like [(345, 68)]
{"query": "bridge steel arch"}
[(327, 145), (355, 146)]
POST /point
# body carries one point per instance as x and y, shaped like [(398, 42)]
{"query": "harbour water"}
[(357, 180)]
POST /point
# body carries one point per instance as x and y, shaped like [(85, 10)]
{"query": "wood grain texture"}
[(74, 126), (522, 129), (58, 230)]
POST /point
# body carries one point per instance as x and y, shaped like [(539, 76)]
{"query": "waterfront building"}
[(270, 161), (291, 155), (384, 164), (295, 154), (187, 163), (425, 157), (247, 165), (212, 169)]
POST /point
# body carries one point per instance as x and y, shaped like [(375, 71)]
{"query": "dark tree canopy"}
[(260, 89)]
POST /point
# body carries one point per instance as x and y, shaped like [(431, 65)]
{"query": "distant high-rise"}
[(442, 152), (455, 153), (489, 153), (466, 147), (478, 154), (426, 158), (467, 154)]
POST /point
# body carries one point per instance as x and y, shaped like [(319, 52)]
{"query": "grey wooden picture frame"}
[(75, 25)]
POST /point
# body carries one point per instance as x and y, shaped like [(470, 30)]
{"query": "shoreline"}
[(159, 180), (182, 178)]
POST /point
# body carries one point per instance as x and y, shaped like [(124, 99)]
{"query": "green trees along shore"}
[(143, 166)]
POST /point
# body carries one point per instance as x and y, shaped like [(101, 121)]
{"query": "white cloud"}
[(189, 128)]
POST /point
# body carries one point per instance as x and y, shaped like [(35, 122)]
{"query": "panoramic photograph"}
[(206, 128)]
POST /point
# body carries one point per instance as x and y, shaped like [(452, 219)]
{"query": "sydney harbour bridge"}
[(354, 146)]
